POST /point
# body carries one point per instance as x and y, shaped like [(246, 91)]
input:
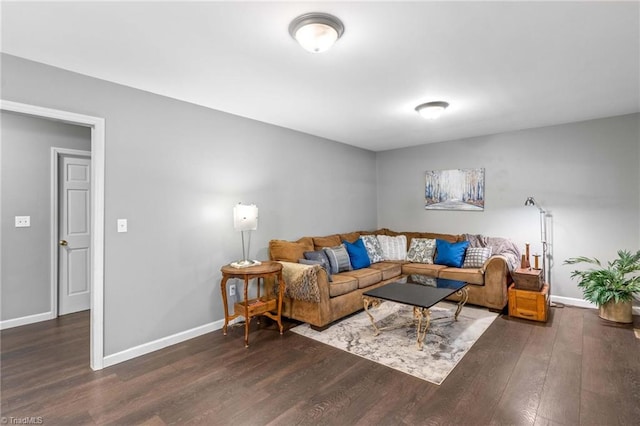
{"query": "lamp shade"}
[(245, 217), (530, 201)]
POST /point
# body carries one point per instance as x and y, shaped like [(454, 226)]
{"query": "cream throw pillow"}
[(393, 248)]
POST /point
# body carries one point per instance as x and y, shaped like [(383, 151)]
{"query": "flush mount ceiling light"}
[(432, 110), (316, 32)]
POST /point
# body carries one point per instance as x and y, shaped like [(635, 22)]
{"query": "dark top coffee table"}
[(418, 291)]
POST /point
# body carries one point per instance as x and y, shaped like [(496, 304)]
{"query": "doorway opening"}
[(97, 126)]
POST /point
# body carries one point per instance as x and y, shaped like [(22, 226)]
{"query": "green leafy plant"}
[(617, 281)]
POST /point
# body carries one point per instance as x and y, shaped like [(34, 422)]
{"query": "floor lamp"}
[(530, 201), (543, 233), (245, 219)]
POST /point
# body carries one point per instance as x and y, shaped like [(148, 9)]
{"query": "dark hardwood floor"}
[(576, 369)]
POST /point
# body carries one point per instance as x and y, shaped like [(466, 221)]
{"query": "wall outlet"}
[(232, 290), (23, 221)]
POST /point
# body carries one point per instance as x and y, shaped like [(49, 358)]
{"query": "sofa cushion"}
[(421, 250), (357, 254), (365, 276), (342, 284), (476, 256), (394, 248), (374, 250), (350, 237), (385, 231), (388, 269), (338, 258), (422, 268), (470, 275), (329, 241), (434, 236), (450, 254), (289, 251)]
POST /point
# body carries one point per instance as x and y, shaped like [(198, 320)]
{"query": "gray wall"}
[(25, 176), (586, 175), (175, 170)]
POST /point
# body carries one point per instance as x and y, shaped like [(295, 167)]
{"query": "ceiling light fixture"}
[(432, 110), (316, 32)]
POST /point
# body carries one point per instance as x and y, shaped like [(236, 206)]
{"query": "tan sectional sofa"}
[(343, 296)]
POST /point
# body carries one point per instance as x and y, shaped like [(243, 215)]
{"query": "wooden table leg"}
[(247, 319), (280, 297), (223, 287)]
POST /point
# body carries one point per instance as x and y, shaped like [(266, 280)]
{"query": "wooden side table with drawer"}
[(528, 304), (267, 305)]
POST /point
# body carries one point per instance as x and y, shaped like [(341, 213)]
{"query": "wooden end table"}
[(262, 305)]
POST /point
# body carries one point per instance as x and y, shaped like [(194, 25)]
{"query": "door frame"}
[(56, 153), (98, 151)]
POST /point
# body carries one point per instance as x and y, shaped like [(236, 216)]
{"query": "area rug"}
[(447, 341)]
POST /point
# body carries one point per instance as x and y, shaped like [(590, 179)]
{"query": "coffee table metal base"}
[(423, 315)]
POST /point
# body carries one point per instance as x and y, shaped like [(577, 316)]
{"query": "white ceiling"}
[(502, 66)]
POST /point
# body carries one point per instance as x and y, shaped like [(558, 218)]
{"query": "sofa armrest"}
[(496, 280), (495, 260), (305, 282), (323, 285)]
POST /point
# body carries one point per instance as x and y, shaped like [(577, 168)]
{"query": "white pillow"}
[(393, 248)]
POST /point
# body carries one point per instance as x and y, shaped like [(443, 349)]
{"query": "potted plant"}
[(611, 288)]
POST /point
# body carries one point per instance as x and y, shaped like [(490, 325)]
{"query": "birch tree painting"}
[(455, 189)]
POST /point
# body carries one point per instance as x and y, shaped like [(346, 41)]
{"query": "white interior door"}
[(74, 270)]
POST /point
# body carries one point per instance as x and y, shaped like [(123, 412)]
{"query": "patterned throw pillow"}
[(476, 256), (320, 257), (421, 250), (374, 250), (393, 248), (338, 258)]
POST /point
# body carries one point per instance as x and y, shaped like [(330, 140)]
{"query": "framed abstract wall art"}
[(455, 189)]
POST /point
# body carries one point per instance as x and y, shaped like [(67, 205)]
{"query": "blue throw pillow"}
[(357, 254), (450, 254)]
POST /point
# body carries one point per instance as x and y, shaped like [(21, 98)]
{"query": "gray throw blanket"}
[(501, 246)]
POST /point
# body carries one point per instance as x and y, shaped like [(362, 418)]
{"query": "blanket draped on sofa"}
[(501, 246), (301, 281)]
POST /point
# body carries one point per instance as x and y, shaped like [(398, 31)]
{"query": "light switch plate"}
[(122, 225), (23, 221)]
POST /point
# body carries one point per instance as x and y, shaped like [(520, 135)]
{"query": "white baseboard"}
[(155, 345), (573, 301), (30, 319), (581, 303)]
